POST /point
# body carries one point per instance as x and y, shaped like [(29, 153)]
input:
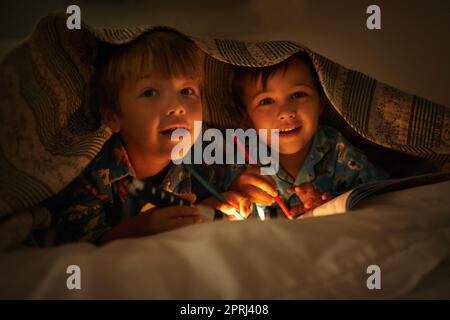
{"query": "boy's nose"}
[(286, 111), (284, 115), (176, 110)]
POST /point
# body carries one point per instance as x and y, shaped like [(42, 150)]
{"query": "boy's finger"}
[(264, 183), (304, 197), (260, 201), (240, 203), (308, 204), (307, 193), (299, 189), (258, 196), (191, 197), (245, 209), (303, 194), (297, 210), (235, 197), (226, 208), (235, 203), (211, 202), (306, 187), (326, 196)]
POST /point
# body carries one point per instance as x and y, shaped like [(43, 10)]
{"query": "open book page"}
[(384, 186), (348, 200), (334, 206)]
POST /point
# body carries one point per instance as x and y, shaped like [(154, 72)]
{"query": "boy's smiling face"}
[(151, 109), (290, 102)]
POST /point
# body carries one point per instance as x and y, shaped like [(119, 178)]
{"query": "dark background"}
[(410, 52)]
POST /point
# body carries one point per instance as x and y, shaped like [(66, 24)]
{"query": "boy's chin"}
[(290, 150), (293, 151)]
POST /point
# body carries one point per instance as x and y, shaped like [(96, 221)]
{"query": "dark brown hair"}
[(264, 73)]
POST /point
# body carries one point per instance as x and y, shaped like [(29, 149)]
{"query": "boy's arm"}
[(79, 212)]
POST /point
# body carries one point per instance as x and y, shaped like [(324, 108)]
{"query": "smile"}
[(172, 128), (290, 130)]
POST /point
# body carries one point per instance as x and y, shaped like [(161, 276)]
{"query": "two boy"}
[(150, 88)]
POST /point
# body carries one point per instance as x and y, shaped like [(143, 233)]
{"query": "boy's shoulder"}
[(333, 135), (112, 162), (108, 167), (337, 140)]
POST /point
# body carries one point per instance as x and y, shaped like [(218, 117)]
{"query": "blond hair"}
[(165, 54)]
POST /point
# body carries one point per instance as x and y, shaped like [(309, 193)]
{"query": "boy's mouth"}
[(290, 131), (167, 131)]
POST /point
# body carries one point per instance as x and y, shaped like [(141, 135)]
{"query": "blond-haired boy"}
[(145, 90)]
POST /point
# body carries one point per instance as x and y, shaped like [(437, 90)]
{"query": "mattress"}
[(405, 233)]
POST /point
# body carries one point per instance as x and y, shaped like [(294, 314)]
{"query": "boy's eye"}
[(298, 95), (265, 101), (187, 92), (150, 93)]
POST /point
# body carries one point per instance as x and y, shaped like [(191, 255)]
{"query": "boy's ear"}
[(111, 119)]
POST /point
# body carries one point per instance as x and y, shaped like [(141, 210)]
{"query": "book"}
[(348, 200)]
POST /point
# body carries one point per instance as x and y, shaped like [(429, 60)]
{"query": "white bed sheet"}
[(406, 233)]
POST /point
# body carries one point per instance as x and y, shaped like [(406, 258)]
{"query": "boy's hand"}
[(255, 187), (235, 201), (154, 221), (191, 197), (310, 197), (158, 220), (169, 218)]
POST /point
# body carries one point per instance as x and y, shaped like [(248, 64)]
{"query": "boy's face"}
[(152, 108), (290, 103)]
